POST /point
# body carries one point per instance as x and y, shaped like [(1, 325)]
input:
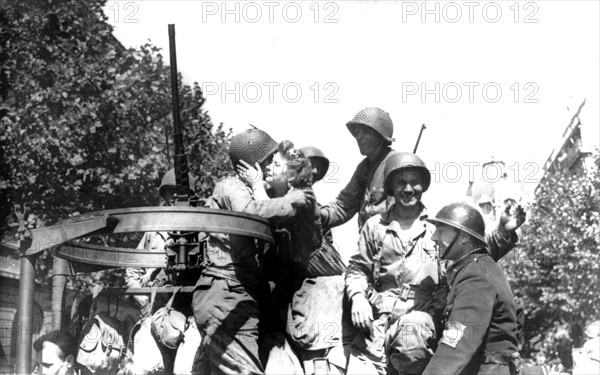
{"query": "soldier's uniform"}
[(226, 299), (227, 294), (401, 267), (365, 193), (136, 277), (480, 334)]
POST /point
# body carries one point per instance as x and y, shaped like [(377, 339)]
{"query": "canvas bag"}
[(314, 318), (149, 346), (101, 343), (168, 325)]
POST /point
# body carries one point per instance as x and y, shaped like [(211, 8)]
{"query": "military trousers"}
[(227, 316)]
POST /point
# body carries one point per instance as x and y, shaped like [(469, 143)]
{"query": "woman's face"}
[(277, 175)]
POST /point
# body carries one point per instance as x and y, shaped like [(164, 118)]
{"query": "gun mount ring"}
[(139, 219)]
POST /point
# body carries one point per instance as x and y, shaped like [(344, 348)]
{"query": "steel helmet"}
[(168, 180), (318, 159), (462, 217), (251, 146), (400, 160), (375, 118)]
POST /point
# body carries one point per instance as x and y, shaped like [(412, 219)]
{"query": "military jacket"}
[(150, 241), (405, 256), (390, 258), (480, 317), (364, 194), (235, 257)]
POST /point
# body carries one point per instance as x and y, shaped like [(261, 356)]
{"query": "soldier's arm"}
[(348, 201), (500, 244), (466, 325), (240, 199), (360, 267), (133, 275), (504, 238)]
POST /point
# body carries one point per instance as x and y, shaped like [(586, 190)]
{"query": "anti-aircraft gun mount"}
[(183, 221)]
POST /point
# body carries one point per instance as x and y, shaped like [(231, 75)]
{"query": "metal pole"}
[(61, 270), (25, 314)]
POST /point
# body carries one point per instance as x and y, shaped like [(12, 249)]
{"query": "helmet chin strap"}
[(445, 254)]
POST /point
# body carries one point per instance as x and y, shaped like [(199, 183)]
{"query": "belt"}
[(410, 292), (498, 359), (513, 362), (404, 293)]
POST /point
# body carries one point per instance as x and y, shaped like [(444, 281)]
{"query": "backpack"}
[(101, 344)]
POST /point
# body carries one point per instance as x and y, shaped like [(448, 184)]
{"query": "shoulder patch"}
[(453, 332)]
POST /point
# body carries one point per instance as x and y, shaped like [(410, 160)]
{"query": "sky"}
[(489, 79)]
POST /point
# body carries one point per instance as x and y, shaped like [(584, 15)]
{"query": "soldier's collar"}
[(471, 256), (388, 216), (418, 227)]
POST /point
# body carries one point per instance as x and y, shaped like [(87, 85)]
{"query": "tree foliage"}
[(556, 270), (83, 119)]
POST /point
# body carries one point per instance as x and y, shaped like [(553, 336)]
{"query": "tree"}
[(83, 119), (555, 271)]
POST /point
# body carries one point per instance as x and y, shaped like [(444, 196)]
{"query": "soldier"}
[(143, 277), (57, 351), (364, 194), (396, 261), (481, 322), (318, 160), (396, 268), (227, 295)]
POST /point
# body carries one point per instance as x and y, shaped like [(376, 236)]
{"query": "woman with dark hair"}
[(311, 253), (308, 274)]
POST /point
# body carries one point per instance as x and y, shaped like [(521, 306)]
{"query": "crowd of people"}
[(421, 294)]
